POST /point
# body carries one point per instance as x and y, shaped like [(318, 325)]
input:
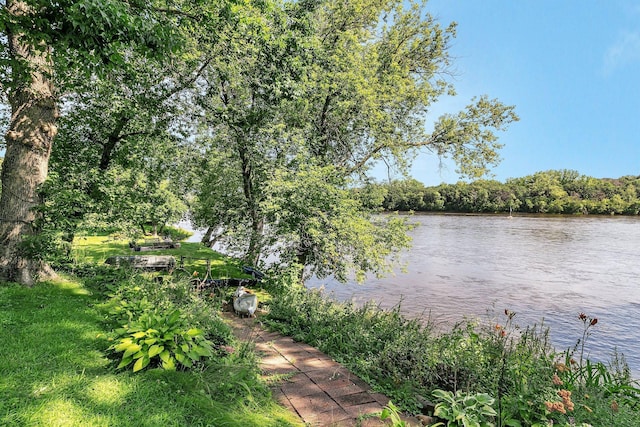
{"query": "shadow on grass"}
[(53, 371), (95, 250)]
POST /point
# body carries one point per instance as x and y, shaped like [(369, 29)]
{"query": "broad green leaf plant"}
[(160, 339), (463, 409)]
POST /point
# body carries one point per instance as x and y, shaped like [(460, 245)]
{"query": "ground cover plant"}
[(60, 365), (72, 346), (495, 372)]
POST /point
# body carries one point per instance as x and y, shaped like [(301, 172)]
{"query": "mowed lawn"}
[(54, 370)]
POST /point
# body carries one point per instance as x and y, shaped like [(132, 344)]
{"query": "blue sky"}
[(572, 70)]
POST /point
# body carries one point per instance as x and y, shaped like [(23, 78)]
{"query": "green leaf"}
[(155, 350), (484, 398), (138, 335), (121, 347), (183, 360), (169, 364), (180, 357), (140, 364), (174, 317), (132, 349), (150, 341), (124, 362), (201, 351), (193, 332), (165, 356)]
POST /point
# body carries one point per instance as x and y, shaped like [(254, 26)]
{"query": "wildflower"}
[(559, 407), (498, 327), (555, 407), (503, 333), (557, 380), (566, 399), (195, 273), (593, 321), (564, 393), (582, 316), (561, 367)]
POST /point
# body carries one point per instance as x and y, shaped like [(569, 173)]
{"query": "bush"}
[(175, 233), (463, 409), (408, 359), (161, 339), (161, 322)]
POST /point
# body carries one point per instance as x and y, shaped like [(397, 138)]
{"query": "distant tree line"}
[(551, 192)]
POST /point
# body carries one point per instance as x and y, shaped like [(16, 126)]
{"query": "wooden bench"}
[(144, 262)]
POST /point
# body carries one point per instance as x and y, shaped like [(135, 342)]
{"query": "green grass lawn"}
[(54, 370), (96, 249)]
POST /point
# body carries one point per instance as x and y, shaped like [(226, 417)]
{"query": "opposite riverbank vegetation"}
[(109, 346), (550, 192)]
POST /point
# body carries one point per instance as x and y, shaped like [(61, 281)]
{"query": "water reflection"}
[(549, 268)]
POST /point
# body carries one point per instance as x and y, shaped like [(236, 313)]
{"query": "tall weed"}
[(409, 359)]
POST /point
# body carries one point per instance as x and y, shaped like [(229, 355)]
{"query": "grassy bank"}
[(58, 364), (496, 372), (71, 347)]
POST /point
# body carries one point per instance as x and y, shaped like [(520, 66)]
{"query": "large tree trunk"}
[(29, 140), (252, 257)]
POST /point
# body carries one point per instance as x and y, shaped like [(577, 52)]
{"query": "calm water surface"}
[(549, 268)]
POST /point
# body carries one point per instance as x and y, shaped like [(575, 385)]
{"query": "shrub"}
[(464, 409), (160, 339), (163, 323), (408, 359), (175, 233)]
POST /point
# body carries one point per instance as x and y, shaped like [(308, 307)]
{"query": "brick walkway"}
[(319, 390)]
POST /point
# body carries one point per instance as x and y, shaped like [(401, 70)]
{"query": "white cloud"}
[(624, 51)]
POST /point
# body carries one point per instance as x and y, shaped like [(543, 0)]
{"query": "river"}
[(541, 267)]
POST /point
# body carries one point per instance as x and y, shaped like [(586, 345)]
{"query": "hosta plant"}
[(160, 339), (463, 409)]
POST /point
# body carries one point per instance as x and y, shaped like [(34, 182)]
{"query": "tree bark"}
[(252, 256), (29, 141), (207, 238)]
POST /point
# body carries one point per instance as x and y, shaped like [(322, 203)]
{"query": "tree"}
[(41, 42), (354, 85), (131, 128), (318, 224), (220, 201), (405, 195), (256, 73), (379, 67)]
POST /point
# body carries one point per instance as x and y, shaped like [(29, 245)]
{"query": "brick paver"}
[(322, 392)]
